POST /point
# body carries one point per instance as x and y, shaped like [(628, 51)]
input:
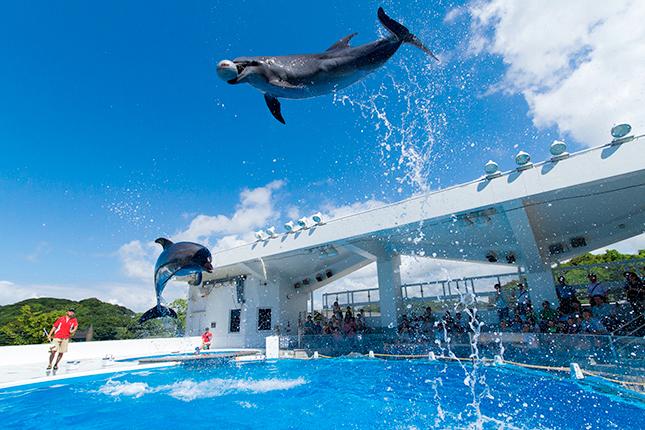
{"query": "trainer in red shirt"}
[(62, 330), (207, 336)]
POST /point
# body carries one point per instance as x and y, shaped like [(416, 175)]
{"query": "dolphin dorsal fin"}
[(165, 243), (342, 43)]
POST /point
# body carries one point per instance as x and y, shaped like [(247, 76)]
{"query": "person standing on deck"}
[(63, 329)]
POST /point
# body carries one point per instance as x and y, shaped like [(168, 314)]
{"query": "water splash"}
[(401, 112)]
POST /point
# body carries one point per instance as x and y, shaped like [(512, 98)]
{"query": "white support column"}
[(538, 269), (389, 284)]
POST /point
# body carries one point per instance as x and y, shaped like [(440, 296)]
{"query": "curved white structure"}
[(533, 216)]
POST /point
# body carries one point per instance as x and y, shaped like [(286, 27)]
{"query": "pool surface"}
[(336, 393)]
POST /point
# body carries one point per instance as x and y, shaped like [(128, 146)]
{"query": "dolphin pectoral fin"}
[(401, 32), (197, 280), (274, 107), (342, 43), (157, 312)]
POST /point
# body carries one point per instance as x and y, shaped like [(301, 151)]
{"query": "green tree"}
[(27, 327)]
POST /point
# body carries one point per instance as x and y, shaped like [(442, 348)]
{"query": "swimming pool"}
[(334, 393)]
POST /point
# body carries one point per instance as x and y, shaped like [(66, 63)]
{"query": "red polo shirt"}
[(207, 336), (63, 326)]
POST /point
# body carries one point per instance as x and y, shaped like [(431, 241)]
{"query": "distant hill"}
[(23, 322)]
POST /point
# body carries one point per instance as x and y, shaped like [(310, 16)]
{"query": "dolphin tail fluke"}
[(157, 312), (401, 32)]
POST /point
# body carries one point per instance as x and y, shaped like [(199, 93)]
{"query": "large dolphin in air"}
[(177, 259), (310, 75)]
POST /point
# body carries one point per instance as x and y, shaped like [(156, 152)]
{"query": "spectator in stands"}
[(448, 321), (309, 326), (317, 327), (603, 312), (590, 324), (458, 324), (522, 299), (566, 294), (551, 327), (337, 311), (349, 325), (503, 326), (327, 328), (547, 314), (572, 326), (635, 293), (428, 315), (404, 325), (516, 325), (348, 311), (361, 326), (500, 304), (596, 288)]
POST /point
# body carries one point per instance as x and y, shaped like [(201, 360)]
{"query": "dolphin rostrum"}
[(310, 75), (177, 259)]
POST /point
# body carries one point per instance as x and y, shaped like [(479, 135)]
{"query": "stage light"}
[(621, 130), (271, 232), (317, 218), (302, 222), (290, 227), (491, 167), (558, 147), (260, 235), (523, 160)]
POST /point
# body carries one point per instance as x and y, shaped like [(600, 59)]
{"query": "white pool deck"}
[(26, 364)]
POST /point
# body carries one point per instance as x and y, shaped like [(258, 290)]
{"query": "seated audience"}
[(590, 324)]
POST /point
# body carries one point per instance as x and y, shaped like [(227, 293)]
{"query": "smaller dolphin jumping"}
[(177, 259), (310, 75)]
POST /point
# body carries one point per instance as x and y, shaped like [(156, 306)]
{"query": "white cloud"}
[(254, 211), (628, 246), (577, 63)]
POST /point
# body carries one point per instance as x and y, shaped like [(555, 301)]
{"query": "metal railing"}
[(445, 290), (481, 287)]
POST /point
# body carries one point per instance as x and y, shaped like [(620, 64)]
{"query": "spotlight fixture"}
[(510, 258), (302, 222), (317, 218), (306, 281), (559, 150), (329, 273), (260, 235), (296, 285), (523, 160), (319, 277), (491, 169), (291, 227), (620, 134), (271, 232), (621, 130)]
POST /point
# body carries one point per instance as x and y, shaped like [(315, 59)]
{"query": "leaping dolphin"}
[(177, 259), (310, 75)]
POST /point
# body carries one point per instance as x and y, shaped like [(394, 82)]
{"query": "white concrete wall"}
[(287, 304), (26, 354)]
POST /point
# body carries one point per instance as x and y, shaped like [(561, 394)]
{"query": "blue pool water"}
[(319, 394)]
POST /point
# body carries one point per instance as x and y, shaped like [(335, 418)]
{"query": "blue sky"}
[(115, 128)]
